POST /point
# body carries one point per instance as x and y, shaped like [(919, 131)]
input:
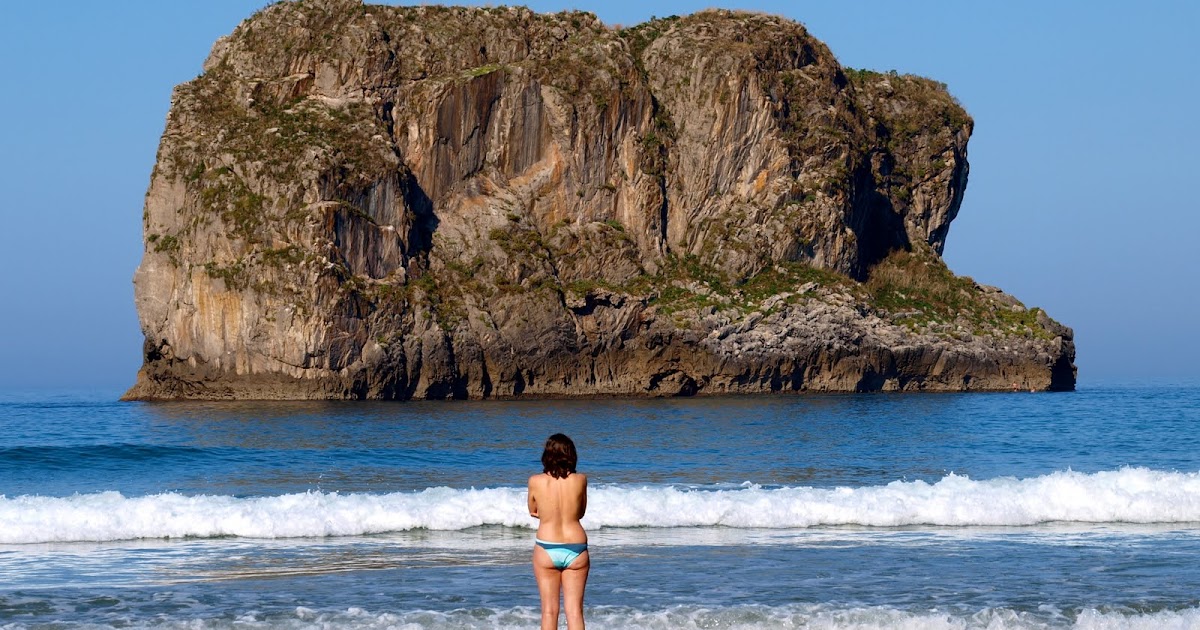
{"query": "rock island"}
[(373, 202)]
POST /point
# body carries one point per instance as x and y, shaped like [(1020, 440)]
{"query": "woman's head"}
[(559, 458)]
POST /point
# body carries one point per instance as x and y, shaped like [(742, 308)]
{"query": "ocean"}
[(996, 511)]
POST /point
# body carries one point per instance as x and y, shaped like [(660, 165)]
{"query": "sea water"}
[(1074, 510)]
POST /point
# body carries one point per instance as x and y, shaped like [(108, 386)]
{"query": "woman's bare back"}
[(558, 504), (561, 561)]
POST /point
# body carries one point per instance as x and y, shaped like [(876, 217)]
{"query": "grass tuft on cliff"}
[(916, 289)]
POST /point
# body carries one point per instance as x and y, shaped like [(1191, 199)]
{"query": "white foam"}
[(1129, 495), (109, 516), (815, 617)]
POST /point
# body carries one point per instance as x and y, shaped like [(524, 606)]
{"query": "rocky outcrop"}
[(359, 201)]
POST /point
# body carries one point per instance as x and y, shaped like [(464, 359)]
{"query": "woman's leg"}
[(549, 582), (574, 580)]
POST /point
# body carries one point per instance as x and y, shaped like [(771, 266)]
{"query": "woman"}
[(558, 499)]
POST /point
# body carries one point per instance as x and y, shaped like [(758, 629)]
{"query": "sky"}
[(1087, 133)]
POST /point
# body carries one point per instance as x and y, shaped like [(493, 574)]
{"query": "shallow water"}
[(948, 510)]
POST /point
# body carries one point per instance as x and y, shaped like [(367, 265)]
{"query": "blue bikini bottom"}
[(561, 554)]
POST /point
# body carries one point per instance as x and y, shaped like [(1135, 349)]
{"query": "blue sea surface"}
[(1012, 510)]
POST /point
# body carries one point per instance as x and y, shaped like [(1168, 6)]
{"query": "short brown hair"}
[(559, 458)]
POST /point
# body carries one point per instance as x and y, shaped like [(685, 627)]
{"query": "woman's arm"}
[(532, 502), (583, 498)]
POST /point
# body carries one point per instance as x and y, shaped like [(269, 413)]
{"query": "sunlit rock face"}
[(359, 201)]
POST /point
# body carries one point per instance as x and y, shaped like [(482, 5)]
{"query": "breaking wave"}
[(1128, 495)]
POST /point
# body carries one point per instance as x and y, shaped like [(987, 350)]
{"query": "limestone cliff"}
[(359, 201)]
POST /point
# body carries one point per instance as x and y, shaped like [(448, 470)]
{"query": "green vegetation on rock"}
[(916, 289)]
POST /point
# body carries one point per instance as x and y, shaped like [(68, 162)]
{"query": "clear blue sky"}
[(1080, 199)]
